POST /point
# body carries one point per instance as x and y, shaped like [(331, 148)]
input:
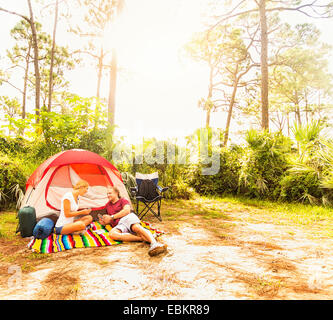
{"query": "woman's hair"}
[(81, 184), (115, 189)]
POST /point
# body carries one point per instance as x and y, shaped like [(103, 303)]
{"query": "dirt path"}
[(247, 261)]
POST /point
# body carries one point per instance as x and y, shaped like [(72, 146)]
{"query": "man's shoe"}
[(156, 248)]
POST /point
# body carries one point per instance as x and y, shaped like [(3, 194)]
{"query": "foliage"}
[(226, 180), (13, 146), (163, 157), (308, 176), (263, 164), (12, 181), (300, 187)]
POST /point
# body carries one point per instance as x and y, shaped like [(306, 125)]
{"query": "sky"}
[(158, 88)]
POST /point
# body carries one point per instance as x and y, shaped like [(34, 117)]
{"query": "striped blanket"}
[(96, 236)]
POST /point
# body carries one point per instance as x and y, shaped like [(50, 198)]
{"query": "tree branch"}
[(15, 13), (312, 6), (6, 81)]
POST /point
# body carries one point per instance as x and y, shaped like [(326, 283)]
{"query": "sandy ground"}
[(250, 261)]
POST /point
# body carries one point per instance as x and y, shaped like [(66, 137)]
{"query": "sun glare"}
[(149, 34), (158, 87)]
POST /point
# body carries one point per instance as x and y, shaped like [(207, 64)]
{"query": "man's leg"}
[(145, 234), (116, 234), (155, 247)]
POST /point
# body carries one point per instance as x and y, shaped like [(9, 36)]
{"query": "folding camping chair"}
[(148, 192)]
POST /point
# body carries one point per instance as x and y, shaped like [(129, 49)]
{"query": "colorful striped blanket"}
[(96, 236)]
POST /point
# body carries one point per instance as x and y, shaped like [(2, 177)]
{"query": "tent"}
[(57, 175)]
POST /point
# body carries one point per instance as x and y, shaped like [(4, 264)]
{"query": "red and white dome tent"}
[(58, 174)]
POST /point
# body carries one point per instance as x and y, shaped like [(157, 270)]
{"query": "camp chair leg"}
[(149, 207)]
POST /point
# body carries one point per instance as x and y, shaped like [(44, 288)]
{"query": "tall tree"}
[(100, 16), (36, 61), (301, 71), (97, 16), (310, 8), (229, 60), (52, 54), (32, 24), (264, 64), (114, 70), (20, 55)]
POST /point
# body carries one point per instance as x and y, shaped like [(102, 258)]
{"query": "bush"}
[(301, 186), (13, 146), (225, 181), (12, 181), (180, 190), (264, 164)]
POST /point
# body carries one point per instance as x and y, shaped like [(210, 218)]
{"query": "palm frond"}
[(307, 133), (326, 202), (327, 182), (18, 194), (303, 168), (3, 196), (326, 154), (309, 198), (261, 184)]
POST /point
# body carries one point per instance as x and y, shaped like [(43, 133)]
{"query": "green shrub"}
[(264, 164), (12, 181), (13, 146), (225, 181), (180, 190), (301, 186)]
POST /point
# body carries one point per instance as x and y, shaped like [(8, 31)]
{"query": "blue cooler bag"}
[(43, 228)]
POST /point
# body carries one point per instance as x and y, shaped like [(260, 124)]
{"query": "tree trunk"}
[(113, 73), (298, 114), (208, 117), (36, 64), (264, 66), (52, 57), (112, 89), (297, 109), (100, 73), (231, 105), (306, 108), (209, 96), (25, 84)]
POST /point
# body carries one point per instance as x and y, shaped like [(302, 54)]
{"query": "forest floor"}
[(217, 249)]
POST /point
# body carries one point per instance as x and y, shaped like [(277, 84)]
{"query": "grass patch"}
[(317, 219), (8, 224)]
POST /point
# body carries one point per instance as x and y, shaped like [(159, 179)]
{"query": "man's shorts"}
[(125, 223)]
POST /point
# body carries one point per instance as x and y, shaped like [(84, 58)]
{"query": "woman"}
[(67, 223)]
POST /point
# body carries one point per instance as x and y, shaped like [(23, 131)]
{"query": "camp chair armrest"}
[(162, 189)]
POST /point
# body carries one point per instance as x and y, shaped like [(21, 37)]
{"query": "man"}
[(126, 224)]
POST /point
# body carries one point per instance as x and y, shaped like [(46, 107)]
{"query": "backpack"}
[(27, 221), (147, 190)]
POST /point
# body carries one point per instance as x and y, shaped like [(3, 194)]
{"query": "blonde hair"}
[(81, 184)]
